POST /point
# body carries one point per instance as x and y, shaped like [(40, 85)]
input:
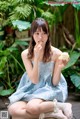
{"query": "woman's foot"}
[(67, 109), (57, 115)]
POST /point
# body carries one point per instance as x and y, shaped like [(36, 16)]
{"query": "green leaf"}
[(2, 63), (1, 74), (22, 11), (4, 52), (73, 58), (48, 16), (21, 25), (1, 45), (11, 49), (19, 42), (77, 6), (75, 80), (6, 92), (53, 4), (28, 1)]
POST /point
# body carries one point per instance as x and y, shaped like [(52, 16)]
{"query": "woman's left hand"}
[(61, 63)]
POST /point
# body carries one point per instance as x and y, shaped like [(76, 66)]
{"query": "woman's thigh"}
[(35, 101), (33, 106)]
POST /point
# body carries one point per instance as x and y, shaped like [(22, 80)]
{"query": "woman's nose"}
[(40, 36)]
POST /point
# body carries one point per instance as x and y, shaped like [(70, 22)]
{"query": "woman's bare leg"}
[(34, 108), (37, 106), (18, 111)]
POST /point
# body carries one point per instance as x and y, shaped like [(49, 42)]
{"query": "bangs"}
[(39, 24)]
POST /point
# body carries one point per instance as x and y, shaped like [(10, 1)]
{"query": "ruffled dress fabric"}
[(44, 90)]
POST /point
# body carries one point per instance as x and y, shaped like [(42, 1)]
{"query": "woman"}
[(42, 82)]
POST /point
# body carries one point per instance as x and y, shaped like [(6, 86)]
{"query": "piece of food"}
[(64, 56)]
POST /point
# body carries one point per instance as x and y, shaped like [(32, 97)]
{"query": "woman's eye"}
[(37, 33), (41, 33), (44, 33)]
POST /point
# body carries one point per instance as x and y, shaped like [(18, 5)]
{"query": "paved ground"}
[(75, 101)]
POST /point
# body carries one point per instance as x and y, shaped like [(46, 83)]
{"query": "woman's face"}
[(40, 36)]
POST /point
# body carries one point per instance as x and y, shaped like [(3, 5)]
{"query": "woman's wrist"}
[(35, 60), (59, 69)]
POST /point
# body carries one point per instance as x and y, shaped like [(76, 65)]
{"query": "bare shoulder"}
[(56, 53), (26, 61), (56, 50), (24, 54)]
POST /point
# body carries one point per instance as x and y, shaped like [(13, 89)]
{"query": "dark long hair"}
[(40, 23)]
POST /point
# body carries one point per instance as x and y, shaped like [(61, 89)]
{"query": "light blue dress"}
[(44, 89)]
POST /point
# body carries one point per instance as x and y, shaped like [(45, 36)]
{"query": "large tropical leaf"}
[(75, 80), (6, 92), (73, 59), (21, 25), (77, 6)]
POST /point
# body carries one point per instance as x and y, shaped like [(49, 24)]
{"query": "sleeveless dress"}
[(45, 90)]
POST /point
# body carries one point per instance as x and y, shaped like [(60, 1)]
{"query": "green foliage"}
[(72, 70), (74, 56), (57, 11), (21, 12), (4, 6), (28, 1), (75, 78), (6, 92), (21, 25), (77, 6), (20, 9), (77, 26), (49, 17), (77, 31), (11, 66)]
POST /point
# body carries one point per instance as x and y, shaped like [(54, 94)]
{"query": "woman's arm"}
[(56, 74), (32, 71), (59, 65)]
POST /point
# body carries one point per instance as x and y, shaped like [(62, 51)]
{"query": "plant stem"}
[(8, 76), (17, 62)]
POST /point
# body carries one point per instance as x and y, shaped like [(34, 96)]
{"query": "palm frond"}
[(20, 12), (48, 16), (26, 1), (4, 6)]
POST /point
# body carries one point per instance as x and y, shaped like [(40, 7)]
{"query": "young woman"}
[(42, 82)]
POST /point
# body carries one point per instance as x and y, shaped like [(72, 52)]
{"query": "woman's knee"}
[(33, 109), (15, 108), (12, 110)]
